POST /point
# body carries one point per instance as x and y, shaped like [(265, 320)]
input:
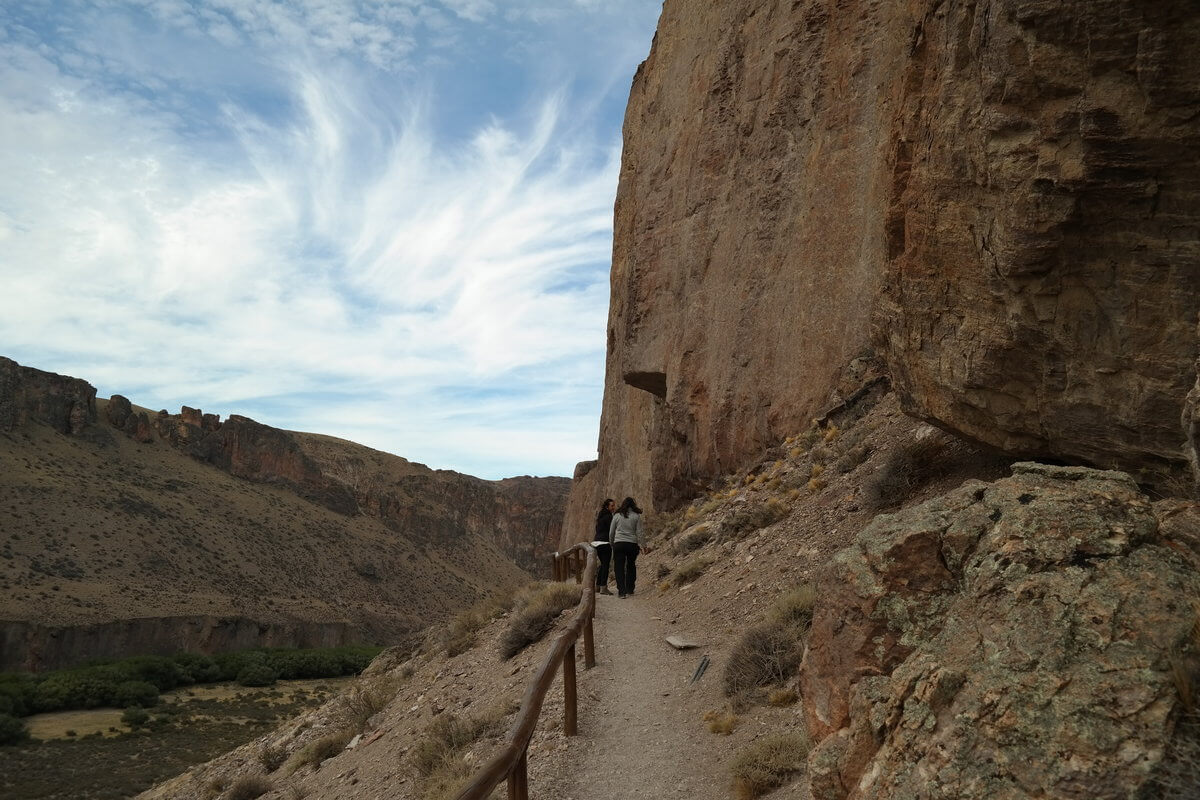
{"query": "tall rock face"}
[(999, 197), (1045, 273), (64, 403)]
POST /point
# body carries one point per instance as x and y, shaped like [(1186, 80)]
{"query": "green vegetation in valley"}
[(136, 682), (189, 727)]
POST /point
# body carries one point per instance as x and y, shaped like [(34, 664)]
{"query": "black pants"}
[(625, 564), (604, 552)]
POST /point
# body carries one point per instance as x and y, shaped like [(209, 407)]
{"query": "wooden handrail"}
[(511, 762)]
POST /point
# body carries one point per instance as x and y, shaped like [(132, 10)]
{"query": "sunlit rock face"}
[(999, 198)]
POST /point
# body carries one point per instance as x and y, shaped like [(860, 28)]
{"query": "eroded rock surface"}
[(64, 403), (1001, 198), (1007, 640), (1042, 290)]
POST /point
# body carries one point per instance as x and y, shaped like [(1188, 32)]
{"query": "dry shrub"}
[(690, 570), (459, 635), (853, 458), (661, 570), (249, 787), (320, 750), (782, 697), (768, 763), (816, 484), (752, 517), (770, 652), (906, 469), (272, 757), (722, 722), (699, 536), (437, 756), (537, 608), (370, 696)]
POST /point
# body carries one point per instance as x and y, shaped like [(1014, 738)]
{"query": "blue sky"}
[(385, 220)]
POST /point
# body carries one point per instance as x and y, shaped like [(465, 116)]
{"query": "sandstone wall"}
[(1045, 277), (998, 196)]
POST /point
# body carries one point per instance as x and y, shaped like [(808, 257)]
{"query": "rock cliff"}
[(132, 525), (1009, 639), (997, 197)]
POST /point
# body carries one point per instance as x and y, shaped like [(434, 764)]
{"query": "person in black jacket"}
[(603, 546)]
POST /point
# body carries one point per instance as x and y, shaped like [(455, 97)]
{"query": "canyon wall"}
[(997, 198)]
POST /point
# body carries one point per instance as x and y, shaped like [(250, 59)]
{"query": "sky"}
[(384, 220)]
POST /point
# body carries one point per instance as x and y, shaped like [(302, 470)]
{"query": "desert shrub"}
[(320, 750), (661, 570), (257, 675), (370, 697), (852, 458), (753, 516), (906, 469), (768, 763), (535, 614), (12, 730), (249, 787), (722, 722), (690, 570), (770, 652), (272, 757), (782, 697), (665, 524), (135, 717), (696, 538), (436, 757), (459, 635)]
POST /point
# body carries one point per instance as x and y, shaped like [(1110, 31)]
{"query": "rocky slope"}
[(998, 197), (130, 531)]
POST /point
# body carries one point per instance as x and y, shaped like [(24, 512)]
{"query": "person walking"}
[(603, 543), (626, 537)]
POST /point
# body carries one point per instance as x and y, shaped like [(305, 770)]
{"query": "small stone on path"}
[(680, 643)]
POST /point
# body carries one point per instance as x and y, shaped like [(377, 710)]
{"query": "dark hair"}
[(626, 505), (603, 507)]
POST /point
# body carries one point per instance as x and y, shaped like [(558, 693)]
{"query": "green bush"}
[(136, 693), (12, 730), (135, 717), (257, 675)]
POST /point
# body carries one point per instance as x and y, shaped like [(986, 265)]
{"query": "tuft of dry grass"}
[(694, 539), (537, 608), (906, 469), (459, 635), (437, 756), (752, 517), (722, 722), (770, 652), (369, 696), (320, 750), (690, 570), (248, 787), (782, 697), (768, 763), (272, 757)]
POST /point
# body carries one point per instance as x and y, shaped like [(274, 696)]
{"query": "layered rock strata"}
[(1007, 640), (999, 197), (64, 403)]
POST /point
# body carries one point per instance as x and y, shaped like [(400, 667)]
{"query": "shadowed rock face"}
[(1001, 198), (962, 647), (65, 404), (1043, 282)]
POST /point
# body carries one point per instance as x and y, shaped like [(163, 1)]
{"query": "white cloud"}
[(330, 260)]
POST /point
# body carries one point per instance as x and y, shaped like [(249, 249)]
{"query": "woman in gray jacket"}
[(626, 535)]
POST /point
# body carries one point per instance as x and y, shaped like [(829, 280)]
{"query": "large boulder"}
[(1007, 640)]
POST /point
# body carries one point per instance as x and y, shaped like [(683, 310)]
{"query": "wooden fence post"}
[(589, 645), (570, 711), (518, 779)]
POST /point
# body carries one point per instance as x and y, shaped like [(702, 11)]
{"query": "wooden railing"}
[(512, 762)]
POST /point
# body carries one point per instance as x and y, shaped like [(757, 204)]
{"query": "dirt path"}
[(641, 733)]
